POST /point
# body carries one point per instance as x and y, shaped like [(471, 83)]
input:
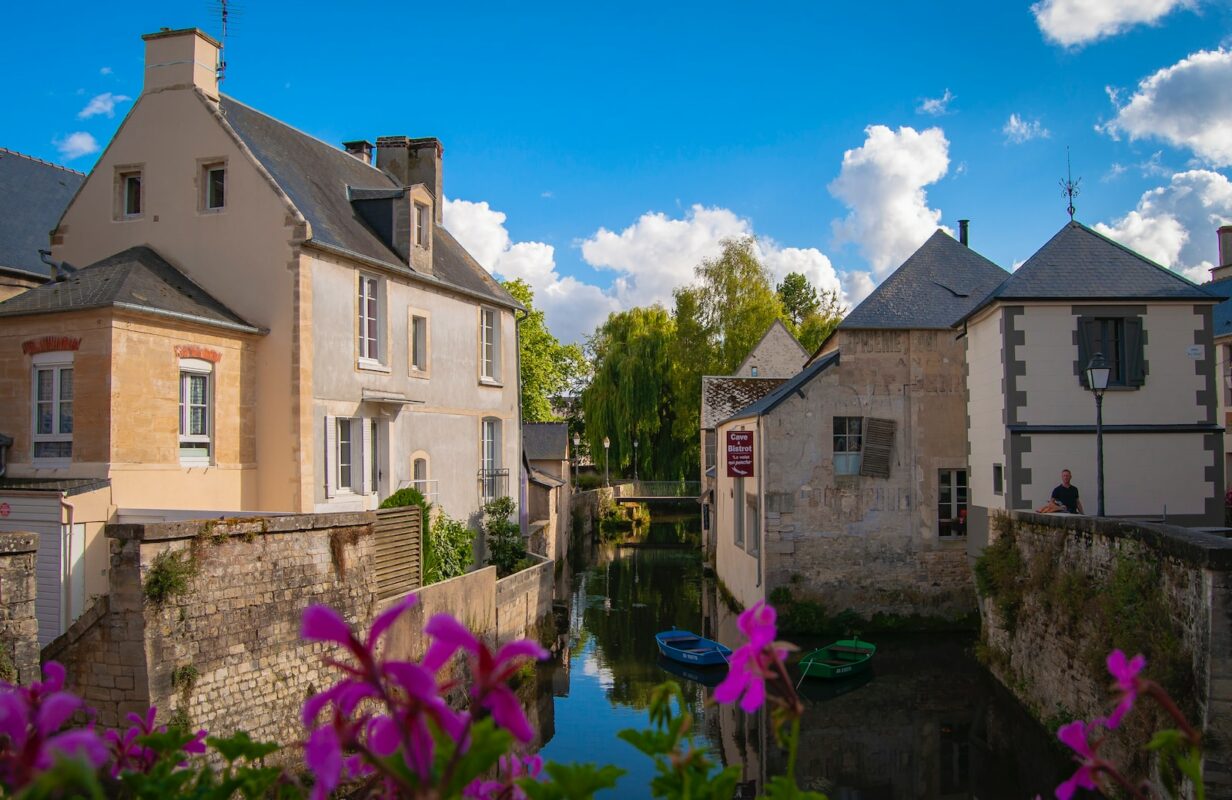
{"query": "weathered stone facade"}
[(18, 625), (1050, 653), (523, 600), (778, 354)]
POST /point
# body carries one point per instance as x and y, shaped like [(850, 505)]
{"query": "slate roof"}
[(772, 401), (723, 396), (1222, 317), (544, 479), (1081, 264), (66, 486), (33, 195), (321, 179), (545, 441), (138, 279), (936, 285)]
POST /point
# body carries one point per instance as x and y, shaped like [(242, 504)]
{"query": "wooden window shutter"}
[(331, 453), (1135, 370), (1088, 335), (878, 447)]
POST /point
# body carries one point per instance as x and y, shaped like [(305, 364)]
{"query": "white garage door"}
[(41, 515)]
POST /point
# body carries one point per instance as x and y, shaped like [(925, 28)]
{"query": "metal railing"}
[(429, 489), (662, 489), (493, 483)]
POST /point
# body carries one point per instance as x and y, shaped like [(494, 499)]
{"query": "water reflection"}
[(927, 722)]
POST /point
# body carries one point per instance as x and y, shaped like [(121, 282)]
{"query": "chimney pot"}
[(963, 226), (1225, 245), (361, 149)]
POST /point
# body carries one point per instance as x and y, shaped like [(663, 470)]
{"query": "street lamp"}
[(1098, 373), (577, 441), (606, 444), (635, 460)]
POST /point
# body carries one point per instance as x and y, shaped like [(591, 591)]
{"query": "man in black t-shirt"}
[(1067, 494)]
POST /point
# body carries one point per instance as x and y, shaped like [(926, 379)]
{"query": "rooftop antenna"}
[(1069, 186), (225, 11)]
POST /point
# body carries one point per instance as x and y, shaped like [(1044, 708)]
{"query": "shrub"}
[(505, 546), (449, 549), (169, 575)]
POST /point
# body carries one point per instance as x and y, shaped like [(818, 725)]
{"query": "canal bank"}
[(929, 722)]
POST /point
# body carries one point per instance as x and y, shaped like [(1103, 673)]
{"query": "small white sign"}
[(1195, 351)]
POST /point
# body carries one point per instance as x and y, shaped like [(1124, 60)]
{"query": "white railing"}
[(427, 488)]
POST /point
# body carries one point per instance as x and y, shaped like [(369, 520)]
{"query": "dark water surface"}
[(929, 722)]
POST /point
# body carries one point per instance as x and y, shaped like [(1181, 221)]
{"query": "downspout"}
[(66, 562), (761, 502), (523, 521)]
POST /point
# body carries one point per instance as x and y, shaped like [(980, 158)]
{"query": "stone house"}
[(854, 483), (263, 323), (1220, 285), (33, 194), (776, 357), (1031, 415), (546, 448)]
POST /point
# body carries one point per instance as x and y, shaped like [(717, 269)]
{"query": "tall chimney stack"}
[(361, 149), (181, 59), (412, 161), (1224, 268), (963, 225)]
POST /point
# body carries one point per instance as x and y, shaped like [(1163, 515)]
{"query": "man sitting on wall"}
[(1064, 498)]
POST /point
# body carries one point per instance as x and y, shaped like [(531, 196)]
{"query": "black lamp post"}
[(635, 460), (1098, 373), (606, 444)]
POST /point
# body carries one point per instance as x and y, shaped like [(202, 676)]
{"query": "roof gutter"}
[(405, 272), (158, 312)]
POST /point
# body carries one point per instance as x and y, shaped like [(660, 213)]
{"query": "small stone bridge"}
[(649, 491)]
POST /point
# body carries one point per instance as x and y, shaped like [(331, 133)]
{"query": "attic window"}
[(421, 225), (214, 184), (128, 194)]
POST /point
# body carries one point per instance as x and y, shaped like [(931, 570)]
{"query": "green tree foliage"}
[(811, 315), (799, 298), (548, 367), (505, 546), (630, 394)]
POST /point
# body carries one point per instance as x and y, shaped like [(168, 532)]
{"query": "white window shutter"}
[(331, 455), (363, 445)]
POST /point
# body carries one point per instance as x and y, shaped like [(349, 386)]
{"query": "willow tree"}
[(630, 394)]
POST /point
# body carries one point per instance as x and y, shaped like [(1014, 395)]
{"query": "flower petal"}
[(388, 617), (313, 705), (14, 716), (55, 710), (1081, 778), (323, 755), (507, 713), (53, 676), (383, 736), (754, 696), (417, 681), (322, 624), (82, 743), (448, 637), (1074, 735)]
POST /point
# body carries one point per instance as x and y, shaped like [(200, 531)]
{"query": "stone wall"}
[(1047, 630), (584, 509), (523, 600), (19, 648)]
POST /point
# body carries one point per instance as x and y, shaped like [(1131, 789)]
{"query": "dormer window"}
[(214, 186), (129, 202), (421, 225)]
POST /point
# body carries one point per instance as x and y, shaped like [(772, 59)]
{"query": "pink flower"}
[(1124, 672), (1075, 736), (31, 719), (513, 767), (752, 663), (492, 671), (129, 756)]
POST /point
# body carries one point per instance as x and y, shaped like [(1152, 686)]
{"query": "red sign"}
[(4, 509), (739, 454)]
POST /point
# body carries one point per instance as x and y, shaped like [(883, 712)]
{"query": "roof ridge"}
[(333, 148), (40, 161)]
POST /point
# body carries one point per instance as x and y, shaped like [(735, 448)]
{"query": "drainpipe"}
[(523, 521), (5, 443), (66, 560)]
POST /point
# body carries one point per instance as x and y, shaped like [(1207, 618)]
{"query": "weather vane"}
[(1069, 186)]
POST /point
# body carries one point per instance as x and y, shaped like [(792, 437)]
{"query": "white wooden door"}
[(41, 514)]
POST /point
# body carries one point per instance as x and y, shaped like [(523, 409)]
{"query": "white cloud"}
[(1115, 171), (857, 286), (1188, 104), (882, 182), (1076, 22), (104, 71), (76, 145), (104, 103), (935, 106), (1018, 130), (1175, 224)]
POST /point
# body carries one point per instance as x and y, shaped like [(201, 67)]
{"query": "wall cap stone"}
[(1195, 547), (16, 542), (237, 526)]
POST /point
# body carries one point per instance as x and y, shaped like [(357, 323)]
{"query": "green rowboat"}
[(838, 660)]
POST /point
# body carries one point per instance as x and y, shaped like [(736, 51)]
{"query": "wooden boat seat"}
[(831, 662), (839, 648), (701, 650), (676, 639)]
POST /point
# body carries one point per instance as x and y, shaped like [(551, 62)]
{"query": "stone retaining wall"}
[(1050, 653), (18, 624), (523, 600)]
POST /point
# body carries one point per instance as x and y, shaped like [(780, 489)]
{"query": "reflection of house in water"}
[(858, 488)]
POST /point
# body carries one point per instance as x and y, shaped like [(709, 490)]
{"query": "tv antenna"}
[(1069, 186), (225, 10)]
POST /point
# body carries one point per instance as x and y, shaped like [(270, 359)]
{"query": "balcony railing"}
[(493, 483), (429, 489)]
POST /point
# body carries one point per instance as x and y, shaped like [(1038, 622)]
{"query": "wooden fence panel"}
[(398, 550)]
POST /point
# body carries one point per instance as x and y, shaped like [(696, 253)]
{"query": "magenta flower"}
[(512, 767), (127, 755), (490, 688), (752, 663), (31, 719), (1075, 736), (1124, 672)]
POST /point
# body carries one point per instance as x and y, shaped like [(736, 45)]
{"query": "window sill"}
[(211, 212), (368, 365), (189, 464), (129, 218), (495, 384), (51, 463), (421, 374)]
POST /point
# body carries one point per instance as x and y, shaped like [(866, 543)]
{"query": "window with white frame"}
[(370, 319), (421, 225), (214, 185), (848, 444), (493, 480), (419, 343), (352, 456), (196, 412), (489, 344), (346, 455), (129, 202), (53, 407), (951, 503), (419, 471)]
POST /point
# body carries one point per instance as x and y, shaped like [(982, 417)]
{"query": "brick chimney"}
[(412, 161), (1224, 268), (964, 228), (361, 149), (181, 59)]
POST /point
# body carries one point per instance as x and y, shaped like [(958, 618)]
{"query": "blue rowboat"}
[(689, 648), (706, 676)]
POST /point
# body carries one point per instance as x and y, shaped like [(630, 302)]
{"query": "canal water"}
[(929, 722)]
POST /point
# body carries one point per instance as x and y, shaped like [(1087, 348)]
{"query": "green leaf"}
[(488, 744), (1166, 740), (571, 781), (68, 777), (240, 745)]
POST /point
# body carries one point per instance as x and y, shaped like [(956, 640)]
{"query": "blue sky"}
[(601, 151)]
